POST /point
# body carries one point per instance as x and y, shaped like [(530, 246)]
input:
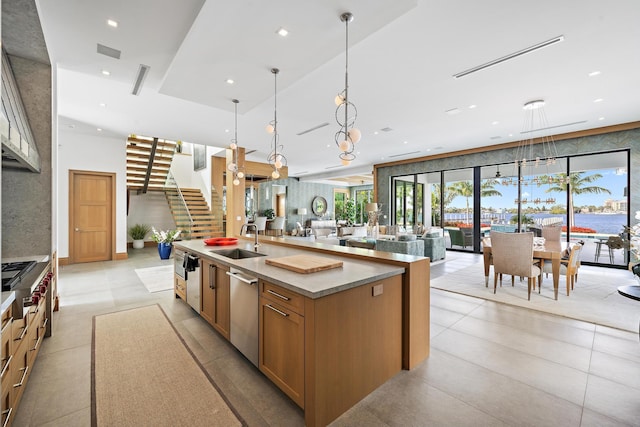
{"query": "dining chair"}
[(513, 254), (277, 226), (568, 267), (552, 234), (261, 224)]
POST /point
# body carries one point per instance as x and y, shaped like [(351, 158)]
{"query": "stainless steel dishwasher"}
[(244, 314)]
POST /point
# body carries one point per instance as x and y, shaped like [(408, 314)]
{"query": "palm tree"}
[(465, 189), (577, 184)]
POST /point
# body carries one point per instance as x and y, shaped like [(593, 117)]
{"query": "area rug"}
[(156, 279), (595, 297), (143, 374)]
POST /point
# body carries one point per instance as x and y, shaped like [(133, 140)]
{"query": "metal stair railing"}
[(172, 185)]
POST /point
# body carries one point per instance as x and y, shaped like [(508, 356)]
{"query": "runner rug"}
[(142, 373)]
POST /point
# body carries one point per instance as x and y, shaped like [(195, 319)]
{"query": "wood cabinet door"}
[(282, 348), (222, 313), (207, 291)]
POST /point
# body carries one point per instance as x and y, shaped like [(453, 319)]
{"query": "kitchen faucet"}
[(255, 242)]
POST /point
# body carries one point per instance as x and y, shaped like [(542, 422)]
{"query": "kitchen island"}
[(328, 338)]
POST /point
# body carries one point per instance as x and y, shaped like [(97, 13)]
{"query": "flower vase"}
[(164, 249)]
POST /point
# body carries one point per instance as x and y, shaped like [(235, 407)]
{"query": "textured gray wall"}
[(629, 139), (299, 195), (26, 196)]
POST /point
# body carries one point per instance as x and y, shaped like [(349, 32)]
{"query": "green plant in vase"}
[(137, 233)]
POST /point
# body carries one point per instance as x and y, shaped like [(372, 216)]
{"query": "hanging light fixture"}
[(234, 167), (276, 159), (348, 135), (535, 158)]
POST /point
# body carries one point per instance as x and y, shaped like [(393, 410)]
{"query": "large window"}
[(458, 208), (409, 202), (362, 198)]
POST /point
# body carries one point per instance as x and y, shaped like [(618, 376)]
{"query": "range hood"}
[(18, 145)]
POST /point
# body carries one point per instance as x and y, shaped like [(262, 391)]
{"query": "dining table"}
[(549, 251)]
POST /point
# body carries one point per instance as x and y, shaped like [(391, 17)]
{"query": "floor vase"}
[(164, 249)]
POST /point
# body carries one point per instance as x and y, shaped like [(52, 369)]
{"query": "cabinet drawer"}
[(7, 400), (20, 369), (282, 296), (7, 349), (180, 286), (20, 328)]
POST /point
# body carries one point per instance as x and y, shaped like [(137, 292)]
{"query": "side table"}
[(633, 292)]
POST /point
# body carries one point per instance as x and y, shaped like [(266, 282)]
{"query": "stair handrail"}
[(170, 178)]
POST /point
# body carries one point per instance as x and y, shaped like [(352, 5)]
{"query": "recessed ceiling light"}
[(601, 118), (283, 32), (376, 132), (472, 106), (99, 129), (106, 72), (226, 131), (594, 73), (112, 23), (230, 81), (495, 122), (598, 100), (328, 145), (405, 142), (102, 104)]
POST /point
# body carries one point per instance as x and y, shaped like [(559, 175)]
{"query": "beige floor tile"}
[(614, 400), (553, 378)]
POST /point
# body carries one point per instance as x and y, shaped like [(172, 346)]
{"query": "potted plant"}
[(164, 239), (269, 213), (137, 233), (350, 212)]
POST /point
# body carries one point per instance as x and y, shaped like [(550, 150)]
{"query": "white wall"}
[(186, 177), (96, 154), (152, 209)]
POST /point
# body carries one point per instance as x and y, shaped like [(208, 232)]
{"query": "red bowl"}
[(221, 241)]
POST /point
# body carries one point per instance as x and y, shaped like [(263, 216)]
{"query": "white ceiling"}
[(402, 57)]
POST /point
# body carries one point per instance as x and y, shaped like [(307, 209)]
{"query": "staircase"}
[(192, 215), (148, 162)]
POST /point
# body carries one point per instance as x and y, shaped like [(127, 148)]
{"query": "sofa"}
[(434, 245), (323, 227), (407, 247)]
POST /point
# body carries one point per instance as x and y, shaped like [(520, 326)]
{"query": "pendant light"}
[(348, 135), (233, 166), (275, 159)]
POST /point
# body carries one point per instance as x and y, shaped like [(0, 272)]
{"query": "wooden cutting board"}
[(304, 263)]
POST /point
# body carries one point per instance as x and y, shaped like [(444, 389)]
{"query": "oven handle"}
[(251, 281)]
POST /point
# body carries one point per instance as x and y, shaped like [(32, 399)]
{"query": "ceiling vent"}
[(313, 128), (554, 127), (387, 129), (404, 154), (108, 51), (142, 74), (510, 56)]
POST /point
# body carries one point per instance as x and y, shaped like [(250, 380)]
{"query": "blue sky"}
[(615, 184)]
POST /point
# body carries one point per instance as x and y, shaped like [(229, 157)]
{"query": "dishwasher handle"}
[(248, 281)]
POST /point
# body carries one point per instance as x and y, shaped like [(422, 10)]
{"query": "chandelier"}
[(238, 174), (347, 136), (535, 159), (276, 159)]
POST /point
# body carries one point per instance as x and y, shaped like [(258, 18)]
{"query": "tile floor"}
[(491, 364)]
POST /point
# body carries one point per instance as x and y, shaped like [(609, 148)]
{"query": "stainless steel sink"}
[(237, 253)]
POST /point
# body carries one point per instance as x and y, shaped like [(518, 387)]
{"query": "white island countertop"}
[(353, 272)]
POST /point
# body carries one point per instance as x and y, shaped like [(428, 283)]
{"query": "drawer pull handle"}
[(4, 328), (278, 295), (280, 312), (24, 332), (44, 323), (35, 347), (24, 375), (6, 412), (4, 370)]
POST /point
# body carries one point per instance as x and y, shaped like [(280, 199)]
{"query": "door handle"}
[(77, 229)]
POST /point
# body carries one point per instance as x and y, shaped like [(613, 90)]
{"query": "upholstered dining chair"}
[(568, 267), (277, 226), (261, 224), (552, 234), (513, 254)]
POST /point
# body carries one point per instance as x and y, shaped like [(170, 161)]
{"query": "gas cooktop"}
[(12, 272)]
